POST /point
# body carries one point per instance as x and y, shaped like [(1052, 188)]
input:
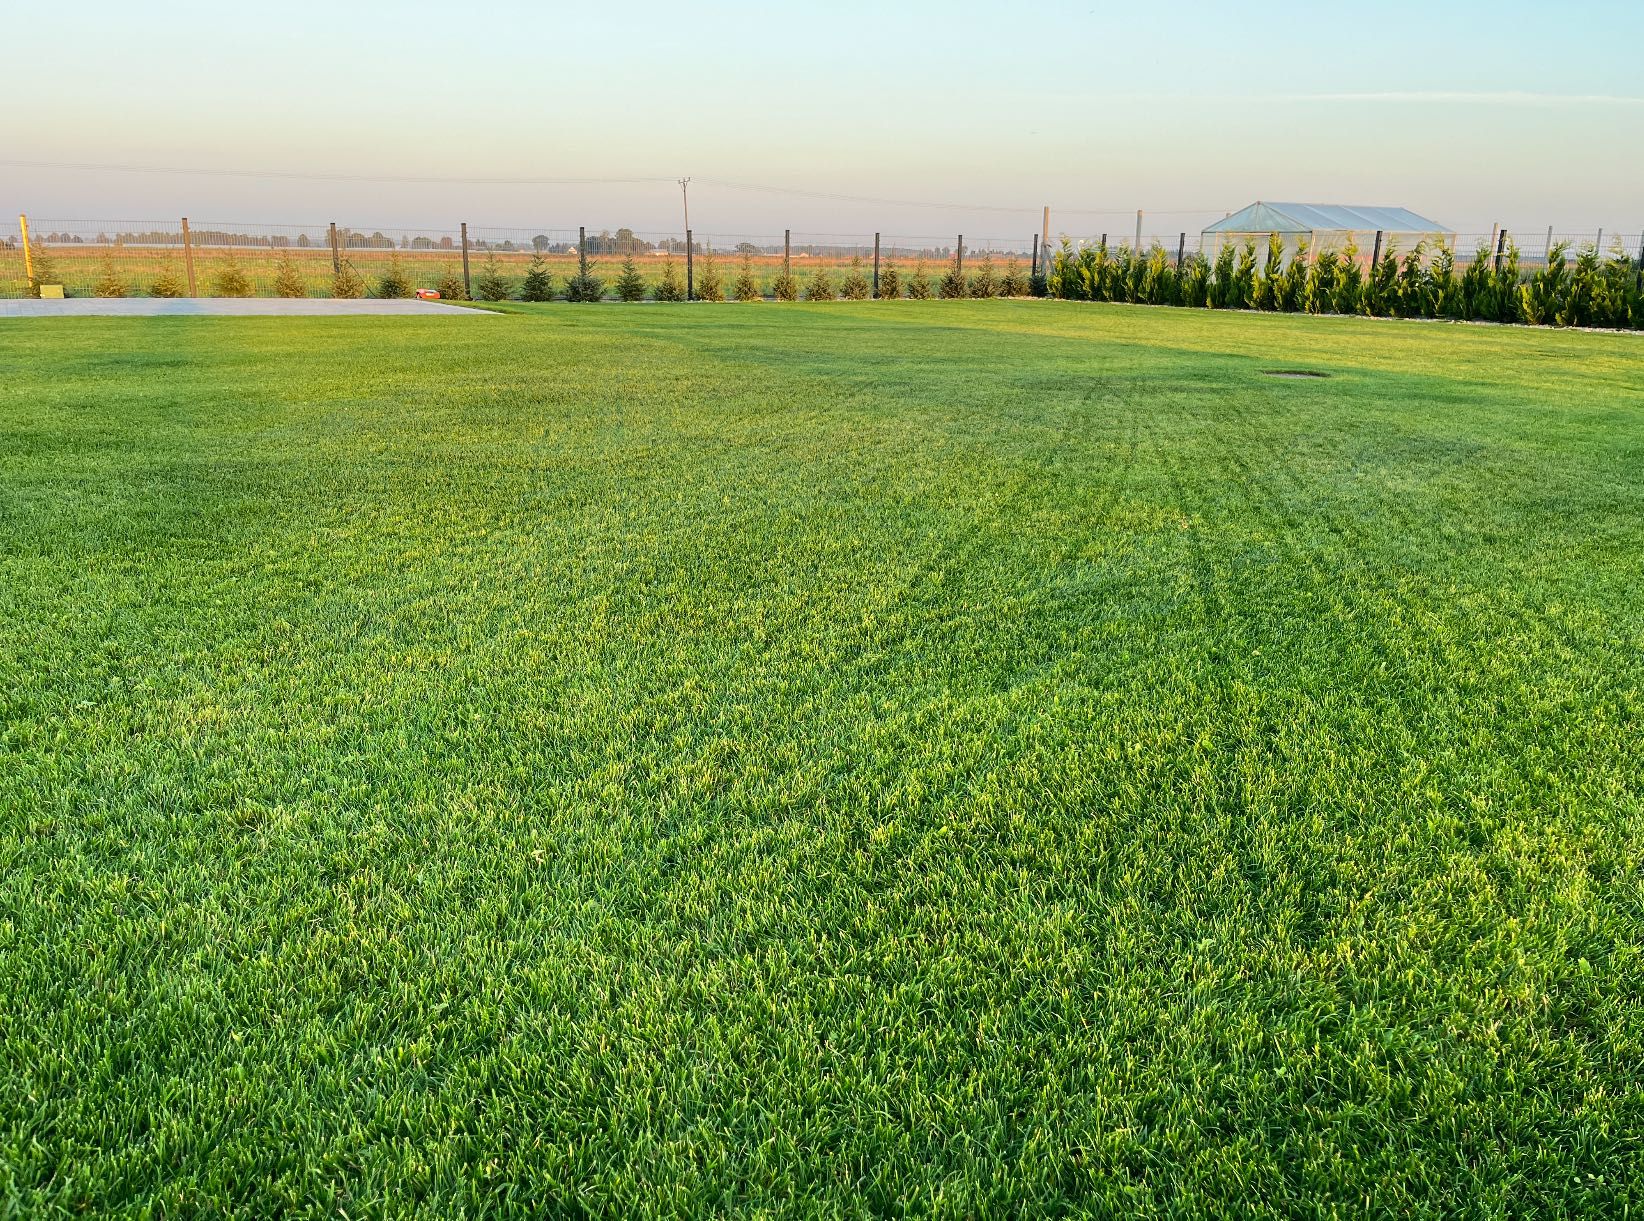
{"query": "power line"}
[(430, 179), (235, 173)]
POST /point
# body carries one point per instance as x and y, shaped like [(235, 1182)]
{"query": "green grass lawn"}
[(984, 759)]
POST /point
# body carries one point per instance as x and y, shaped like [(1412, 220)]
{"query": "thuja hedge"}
[(1592, 291)]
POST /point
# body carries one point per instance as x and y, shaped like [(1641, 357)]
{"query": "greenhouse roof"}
[(1310, 218)]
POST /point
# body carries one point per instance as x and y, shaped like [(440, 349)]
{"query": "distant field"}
[(80, 266), (976, 759)]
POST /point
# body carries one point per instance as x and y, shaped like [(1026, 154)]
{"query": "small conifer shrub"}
[(450, 286), (890, 281), (110, 283), (671, 287), (230, 279), (985, 283), (539, 281), (168, 284), (630, 285), (492, 285), (346, 283), (746, 287), (710, 284), (919, 285), (288, 278), (585, 287), (855, 286)]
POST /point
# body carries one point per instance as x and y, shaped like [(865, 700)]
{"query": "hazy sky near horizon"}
[(1469, 112)]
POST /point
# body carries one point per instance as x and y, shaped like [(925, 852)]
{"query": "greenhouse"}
[(1319, 227)]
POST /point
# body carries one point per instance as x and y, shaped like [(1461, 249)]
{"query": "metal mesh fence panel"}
[(222, 258)]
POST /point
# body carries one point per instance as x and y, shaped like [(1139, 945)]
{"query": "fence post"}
[(1375, 257), (959, 255), (467, 284), (1035, 255), (690, 280), (188, 258), (1641, 262), (1548, 252), (582, 250), (1501, 248), (787, 250), (1137, 248), (28, 256), (876, 267), (1598, 244), (1181, 249), (1044, 236)]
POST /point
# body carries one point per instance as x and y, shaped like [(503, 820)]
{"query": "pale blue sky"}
[(1470, 112)]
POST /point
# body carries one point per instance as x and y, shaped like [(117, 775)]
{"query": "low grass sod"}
[(965, 759)]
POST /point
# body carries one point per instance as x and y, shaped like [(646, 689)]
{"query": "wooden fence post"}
[(876, 267), (1137, 249), (1501, 248), (582, 250), (1035, 255), (959, 255), (28, 255), (787, 250), (690, 279), (1181, 249), (1375, 256), (188, 258), (467, 283)]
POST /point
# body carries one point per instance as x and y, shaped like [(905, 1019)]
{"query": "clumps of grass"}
[(710, 283), (492, 285), (671, 287), (890, 281), (288, 278), (346, 283), (630, 284), (919, 285), (746, 287), (110, 283), (168, 284), (855, 286), (230, 279), (538, 284)]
